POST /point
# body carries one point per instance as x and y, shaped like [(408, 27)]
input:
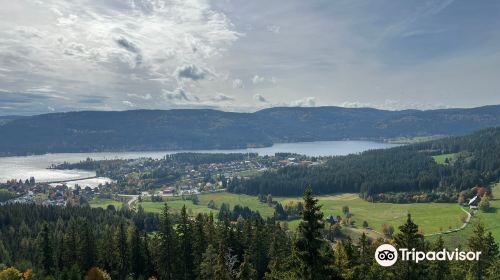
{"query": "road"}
[(133, 198)]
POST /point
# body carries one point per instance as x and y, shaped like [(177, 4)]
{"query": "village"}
[(180, 176)]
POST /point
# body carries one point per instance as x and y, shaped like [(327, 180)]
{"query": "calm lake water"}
[(36, 166)]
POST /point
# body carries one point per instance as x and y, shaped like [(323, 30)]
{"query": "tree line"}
[(72, 243), (408, 168)]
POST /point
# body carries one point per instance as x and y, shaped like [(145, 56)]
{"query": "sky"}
[(240, 55)]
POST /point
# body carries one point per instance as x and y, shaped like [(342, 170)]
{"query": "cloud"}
[(139, 96), (107, 47), (258, 79), (126, 44), (237, 83), (392, 105), (220, 97), (305, 102), (94, 53), (128, 103), (259, 98), (274, 28), (178, 94), (192, 72)]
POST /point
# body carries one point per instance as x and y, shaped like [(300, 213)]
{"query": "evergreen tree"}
[(221, 271), (409, 238), (199, 242), (207, 266), (122, 253), (247, 270), (484, 243), (86, 246), (167, 249), (279, 256), (439, 270), (45, 249), (136, 253), (186, 245), (309, 241)]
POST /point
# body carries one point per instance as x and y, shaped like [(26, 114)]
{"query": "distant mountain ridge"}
[(88, 131)]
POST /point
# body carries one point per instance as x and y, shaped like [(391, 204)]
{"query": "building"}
[(474, 202), (168, 191)]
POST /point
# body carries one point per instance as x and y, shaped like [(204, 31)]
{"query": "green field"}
[(219, 198), (440, 159), (103, 203), (490, 220), (431, 217)]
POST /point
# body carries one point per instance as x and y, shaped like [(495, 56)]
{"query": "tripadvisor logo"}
[(387, 255)]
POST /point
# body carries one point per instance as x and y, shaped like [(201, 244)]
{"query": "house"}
[(473, 202), (168, 191), (331, 219)]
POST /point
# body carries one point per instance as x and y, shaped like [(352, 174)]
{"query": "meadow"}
[(441, 159), (103, 203), (490, 220), (431, 217)]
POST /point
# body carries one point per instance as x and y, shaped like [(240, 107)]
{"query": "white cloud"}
[(220, 97), (191, 72), (237, 83), (177, 94), (139, 96), (106, 47), (128, 103), (305, 102), (389, 104), (258, 79), (259, 98)]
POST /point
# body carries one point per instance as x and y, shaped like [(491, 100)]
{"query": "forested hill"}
[(207, 129), (474, 160)]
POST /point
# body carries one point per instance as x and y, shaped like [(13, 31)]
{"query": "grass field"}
[(219, 198), (490, 220), (440, 159), (431, 217), (103, 203)]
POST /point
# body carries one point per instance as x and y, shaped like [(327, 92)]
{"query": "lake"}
[(23, 167)]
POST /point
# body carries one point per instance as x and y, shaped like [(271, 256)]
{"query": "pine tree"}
[(409, 238), (207, 266), (70, 243), (439, 270), (122, 253), (47, 259), (186, 245), (136, 253), (484, 243), (148, 260), (221, 271), (247, 270), (279, 256), (308, 243), (86, 246), (167, 249), (199, 242)]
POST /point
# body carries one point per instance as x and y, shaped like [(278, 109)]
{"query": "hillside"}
[(408, 168), (208, 129)]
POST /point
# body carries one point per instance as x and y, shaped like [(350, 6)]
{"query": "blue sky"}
[(237, 55)]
